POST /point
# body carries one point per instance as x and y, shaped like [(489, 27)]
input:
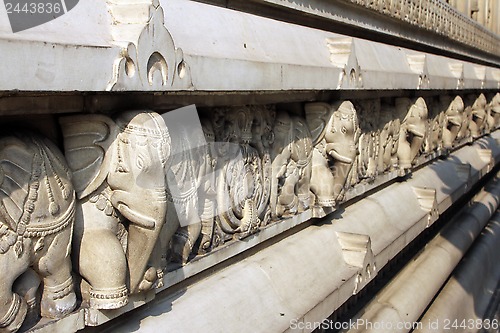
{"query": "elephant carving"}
[(452, 120), (412, 131), (193, 170), (119, 176), (495, 111), (37, 210), (335, 133), (291, 156), (478, 122)]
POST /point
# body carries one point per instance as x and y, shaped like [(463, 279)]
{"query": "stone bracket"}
[(428, 202), (357, 252)]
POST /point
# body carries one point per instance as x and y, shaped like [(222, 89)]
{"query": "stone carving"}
[(37, 209), (119, 177), (291, 166), (424, 14), (192, 169), (149, 59), (452, 120), (495, 110), (412, 131), (335, 132), (479, 116), (434, 138), (388, 142), (242, 188), (369, 140)]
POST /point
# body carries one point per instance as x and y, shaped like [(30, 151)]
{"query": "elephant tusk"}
[(344, 159), (135, 217)]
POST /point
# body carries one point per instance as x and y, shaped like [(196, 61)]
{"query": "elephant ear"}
[(16, 160), (318, 116), (87, 145)]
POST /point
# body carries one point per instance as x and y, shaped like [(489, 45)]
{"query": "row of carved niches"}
[(132, 194)]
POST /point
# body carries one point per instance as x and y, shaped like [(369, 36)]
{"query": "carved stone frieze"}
[(146, 200)]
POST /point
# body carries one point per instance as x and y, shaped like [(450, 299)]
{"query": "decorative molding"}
[(149, 59)]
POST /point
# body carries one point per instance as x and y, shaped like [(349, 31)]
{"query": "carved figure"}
[(452, 120), (37, 209), (291, 166), (242, 196), (119, 177), (366, 164), (388, 144), (434, 137), (194, 170), (369, 112), (335, 132), (495, 110), (412, 130), (478, 124)]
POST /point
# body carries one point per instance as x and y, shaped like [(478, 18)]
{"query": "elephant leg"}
[(304, 189), (184, 240), (342, 171), (13, 308), (54, 266), (100, 259), (27, 286), (404, 154), (287, 200), (207, 225)]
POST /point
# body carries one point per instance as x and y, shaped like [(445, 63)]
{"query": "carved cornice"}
[(438, 17)]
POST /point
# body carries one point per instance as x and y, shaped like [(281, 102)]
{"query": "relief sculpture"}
[(132, 194), (291, 166), (452, 120), (37, 209), (119, 177), (192, 170), (389, 141), (495, 110), (478, 122), (242, 188), (412, 131), (335, 132)]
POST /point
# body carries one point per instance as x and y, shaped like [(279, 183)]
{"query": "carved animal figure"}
[(119, 176), (193, 172), (388, 143), (291, 156), (478, 122), (37, 209), (413, 130), (335, 133), (452, 121), (495, 110)]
